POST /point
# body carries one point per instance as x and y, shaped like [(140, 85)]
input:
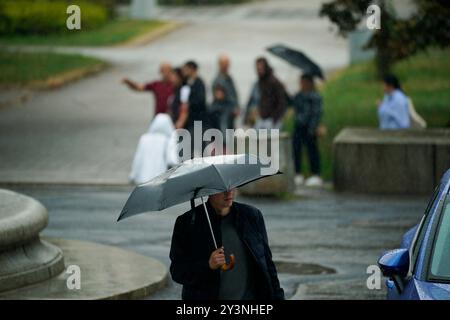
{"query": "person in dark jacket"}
[(221, 111), (196, 110), (308, 112), (239, 230), (272, 97), (197, 96), (225, 81)]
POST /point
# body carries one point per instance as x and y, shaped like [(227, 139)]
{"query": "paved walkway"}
[(86, 132)]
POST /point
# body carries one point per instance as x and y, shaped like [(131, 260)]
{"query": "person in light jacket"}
[(156, 150), (393, 111)]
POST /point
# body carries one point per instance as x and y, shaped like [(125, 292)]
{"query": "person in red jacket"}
[(162, 89)]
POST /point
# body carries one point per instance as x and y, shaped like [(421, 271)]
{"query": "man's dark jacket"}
[(272, 103), (192, 246), (197, 103)]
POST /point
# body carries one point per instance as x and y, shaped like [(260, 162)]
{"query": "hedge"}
[(45, 17)]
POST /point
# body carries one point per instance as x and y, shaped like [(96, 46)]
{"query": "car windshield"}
[(440, 262)]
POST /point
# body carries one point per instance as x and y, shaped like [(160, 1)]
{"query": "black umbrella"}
[(195, 178), (297, 59)]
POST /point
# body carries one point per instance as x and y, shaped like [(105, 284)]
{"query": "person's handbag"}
[(417, 122)]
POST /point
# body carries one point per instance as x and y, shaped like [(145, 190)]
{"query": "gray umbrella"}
[(297, 59), (195, 178)]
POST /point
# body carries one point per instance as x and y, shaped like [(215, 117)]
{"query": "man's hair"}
[(267, 68), (191, 64), (219, 87), (264, 61), (179, 74), (392, 80), (307, 77), (309, 84)]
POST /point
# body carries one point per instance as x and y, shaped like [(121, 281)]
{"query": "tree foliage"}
[(427, 26)]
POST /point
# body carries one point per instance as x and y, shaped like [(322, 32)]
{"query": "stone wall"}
[(391, 161)]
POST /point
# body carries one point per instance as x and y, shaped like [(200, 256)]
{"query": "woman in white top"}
[(179, 103), (156, 150)]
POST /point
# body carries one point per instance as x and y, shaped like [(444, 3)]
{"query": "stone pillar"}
[(142, 9)]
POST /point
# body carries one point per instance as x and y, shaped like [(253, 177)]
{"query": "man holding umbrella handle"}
[(217, 259), (197, 262), (200, 265)]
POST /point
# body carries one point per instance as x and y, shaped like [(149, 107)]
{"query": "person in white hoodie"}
[(156, 150)]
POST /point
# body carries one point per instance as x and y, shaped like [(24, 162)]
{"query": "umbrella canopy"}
[(297, 59), (192, 179)]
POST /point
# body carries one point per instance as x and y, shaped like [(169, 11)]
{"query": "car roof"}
[(446, 177), (443, 191)]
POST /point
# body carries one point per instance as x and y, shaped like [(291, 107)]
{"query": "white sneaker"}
[(314, 181), (299, 180)]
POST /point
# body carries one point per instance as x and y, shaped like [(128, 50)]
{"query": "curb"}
[(141, 40), (67, 77), (105, 273)]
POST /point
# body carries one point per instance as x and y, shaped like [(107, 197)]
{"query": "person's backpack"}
[(417, 122)]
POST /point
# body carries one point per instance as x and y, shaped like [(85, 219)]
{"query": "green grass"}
[(20, 68), (350, 96), (114, 32)]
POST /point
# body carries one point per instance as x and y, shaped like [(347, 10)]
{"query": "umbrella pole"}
[(209, 222)]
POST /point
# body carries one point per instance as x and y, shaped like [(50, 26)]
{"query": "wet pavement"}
[(322, 241)]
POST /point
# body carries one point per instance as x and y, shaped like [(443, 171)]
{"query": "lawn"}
[(350, 96), (114, 32), (21, 68)]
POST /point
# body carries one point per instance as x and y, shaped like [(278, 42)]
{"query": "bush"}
[(46, 17)]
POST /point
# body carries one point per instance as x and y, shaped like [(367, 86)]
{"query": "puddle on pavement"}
[(302, 268)]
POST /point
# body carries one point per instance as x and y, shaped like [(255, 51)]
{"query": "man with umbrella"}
[(239, 229), (308, 112), (198, 263)]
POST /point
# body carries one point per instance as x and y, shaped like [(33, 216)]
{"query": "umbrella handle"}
[(229, 265), (226, 266)]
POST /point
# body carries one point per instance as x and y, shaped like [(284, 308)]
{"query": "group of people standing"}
[(181, 93), (181, 99)]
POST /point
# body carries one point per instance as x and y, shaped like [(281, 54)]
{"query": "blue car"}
[(420, 269)]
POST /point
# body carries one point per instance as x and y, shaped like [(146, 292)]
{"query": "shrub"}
[(45, 17)]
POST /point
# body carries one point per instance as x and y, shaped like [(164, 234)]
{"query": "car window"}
[(440, 260), (422, 229)]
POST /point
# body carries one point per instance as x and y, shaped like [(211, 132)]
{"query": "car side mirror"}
[(395, 265)]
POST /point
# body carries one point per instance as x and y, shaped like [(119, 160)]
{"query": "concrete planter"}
[(277, 184), (390, 162)]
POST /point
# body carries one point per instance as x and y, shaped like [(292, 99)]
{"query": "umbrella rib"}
[(220, 176)]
